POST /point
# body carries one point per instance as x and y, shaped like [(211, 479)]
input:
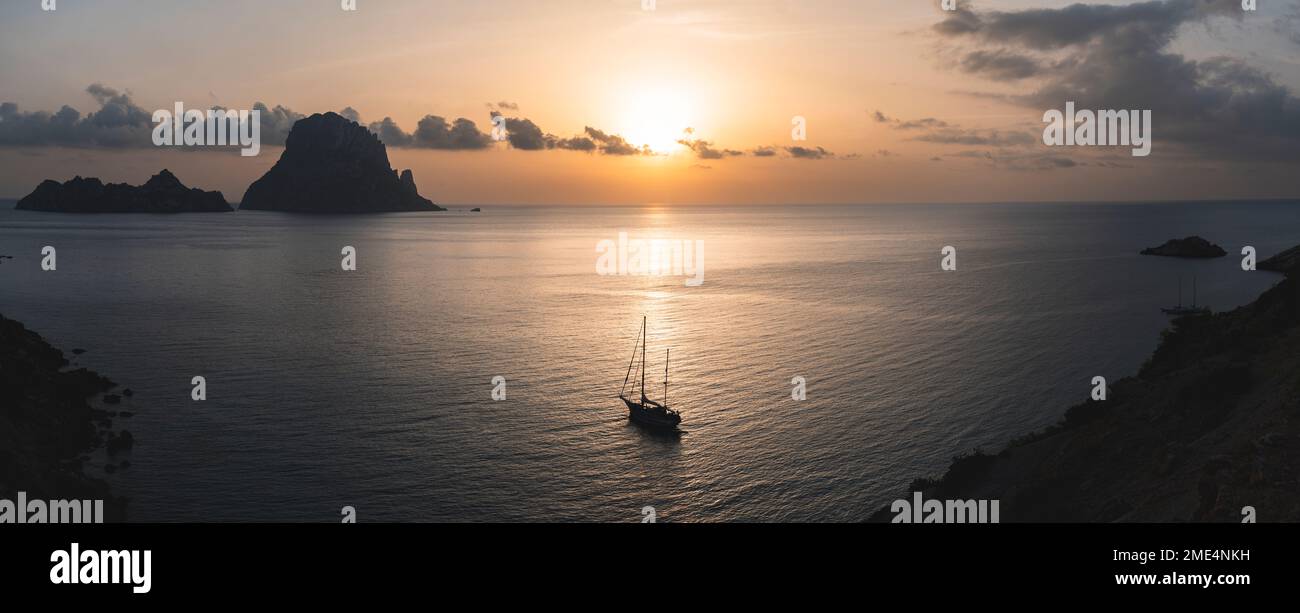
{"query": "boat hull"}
[(652, 416)]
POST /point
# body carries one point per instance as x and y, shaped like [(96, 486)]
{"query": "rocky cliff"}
[(333, 165), (1209, 425), (47, 424)]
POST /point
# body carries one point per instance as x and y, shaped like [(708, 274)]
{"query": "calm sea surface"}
[(373, 388)]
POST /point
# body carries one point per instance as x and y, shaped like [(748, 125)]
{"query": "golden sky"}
[(906, 102)]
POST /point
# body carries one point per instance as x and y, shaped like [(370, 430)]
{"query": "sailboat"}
[(1182, 310), (640, 408)]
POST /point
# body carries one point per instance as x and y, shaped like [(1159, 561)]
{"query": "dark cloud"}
[(390, 133), (524, 134), (763, 152), (705, 151), (806, 153), (1018, 160), (119, 122), (915, 124), (433, 132), (613, 144), (1000, 65), (1120, 58), (994, 138), (351, 113), (577, 143)]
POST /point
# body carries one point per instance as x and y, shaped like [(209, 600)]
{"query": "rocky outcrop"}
[(331, 164), (1209, 425), (47, 424), (162, 193), (1190, 247), (1284, 262)]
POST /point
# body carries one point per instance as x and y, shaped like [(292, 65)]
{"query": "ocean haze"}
[(372, 388)]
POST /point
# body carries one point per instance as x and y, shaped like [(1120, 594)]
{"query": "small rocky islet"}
[(1190, 247)]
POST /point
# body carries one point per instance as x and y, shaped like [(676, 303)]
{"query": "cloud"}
[(119, 122), (524, 134), (1019, 160), (503, 106), (1000, 65), (915, 124), (613, 144), (705, 151), (994, 138), (806, 153), (1120, 58), (433, 132)]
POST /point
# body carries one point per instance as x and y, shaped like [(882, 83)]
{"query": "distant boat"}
[(644, 410), (1182, 310)]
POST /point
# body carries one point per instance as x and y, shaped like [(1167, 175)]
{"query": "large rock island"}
[(331, 164), (162, 193), (1208, 426)]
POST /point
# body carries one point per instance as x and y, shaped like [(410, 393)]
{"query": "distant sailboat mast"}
[(643, 341), (666, 351)]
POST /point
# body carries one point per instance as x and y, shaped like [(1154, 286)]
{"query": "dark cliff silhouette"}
[(162, 193), (47, 425), (331, 164), (1206, 427)]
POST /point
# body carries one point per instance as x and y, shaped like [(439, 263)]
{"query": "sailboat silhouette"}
[(1183, 310), (644, 410)]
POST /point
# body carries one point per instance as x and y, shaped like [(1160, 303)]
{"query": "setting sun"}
[(656, 118)]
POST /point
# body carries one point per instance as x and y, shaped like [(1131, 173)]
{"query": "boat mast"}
[(1193, 291), (666, 351), (643, 340)]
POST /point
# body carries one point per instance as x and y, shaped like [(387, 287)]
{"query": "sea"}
[(469, 368)]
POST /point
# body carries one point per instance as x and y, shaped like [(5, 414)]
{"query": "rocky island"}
[(1209, 425), (1190, 247), (162, 193), (332, 164), (47, 424)]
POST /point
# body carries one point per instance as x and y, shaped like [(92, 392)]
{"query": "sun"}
[(656, 118)]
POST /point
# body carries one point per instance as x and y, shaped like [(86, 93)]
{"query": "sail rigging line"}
[(629, 364)]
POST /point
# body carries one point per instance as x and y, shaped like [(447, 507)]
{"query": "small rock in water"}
[(112, 398), (78, 351), (128, 393), (126, 414), (121, 442)]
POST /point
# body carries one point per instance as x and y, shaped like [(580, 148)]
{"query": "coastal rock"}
[(1190, 247), (1207, 426), (47, 425), (331, 164), (162, 193), (1284, 262)]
